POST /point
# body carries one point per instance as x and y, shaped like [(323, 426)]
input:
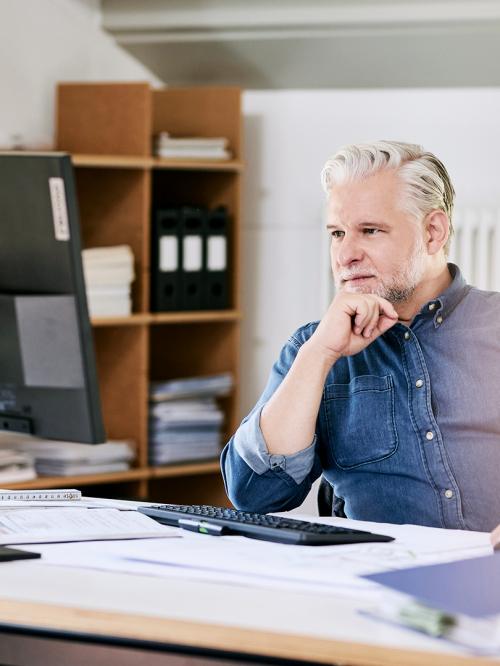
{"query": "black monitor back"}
[(48, 378)]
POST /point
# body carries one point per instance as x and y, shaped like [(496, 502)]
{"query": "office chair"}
[(328, 503)]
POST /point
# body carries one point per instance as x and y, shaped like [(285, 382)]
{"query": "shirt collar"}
[(441, 306)]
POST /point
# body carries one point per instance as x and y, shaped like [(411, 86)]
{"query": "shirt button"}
[(448, 494), (439, 319), (407, 336), (432, 307), (419, 383), (429, 435)]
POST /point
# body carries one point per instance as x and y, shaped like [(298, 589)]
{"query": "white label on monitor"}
[(192, 252), (216, 253), (168, 254), (59, 209)]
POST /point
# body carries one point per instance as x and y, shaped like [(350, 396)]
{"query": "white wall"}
[(289, 135), (46, 41)]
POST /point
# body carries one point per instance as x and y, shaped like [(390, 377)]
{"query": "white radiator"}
[(475, 246)]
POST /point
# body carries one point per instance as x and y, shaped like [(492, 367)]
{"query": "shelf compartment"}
[(206, 190), (201, 112), (185, 350), (104, 118), (122, 367), (114, 211)]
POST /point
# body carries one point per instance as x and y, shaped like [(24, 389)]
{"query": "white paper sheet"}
[(333, 567), (237, 560), (79, 524)]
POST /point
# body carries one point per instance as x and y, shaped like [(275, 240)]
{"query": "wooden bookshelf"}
[(108, 129)]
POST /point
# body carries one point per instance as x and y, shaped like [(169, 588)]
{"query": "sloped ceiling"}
[(312, 44)]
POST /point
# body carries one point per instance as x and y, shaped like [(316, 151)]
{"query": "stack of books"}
[(58, 458), (191, 148), (185, 422), (109, 273)]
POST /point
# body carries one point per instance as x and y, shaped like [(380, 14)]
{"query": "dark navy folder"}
[(471, 587)]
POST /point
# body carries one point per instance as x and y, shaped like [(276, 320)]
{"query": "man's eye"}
[(371, 231), (336, 233)]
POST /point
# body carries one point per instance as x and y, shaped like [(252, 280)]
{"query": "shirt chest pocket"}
[(360, 420)]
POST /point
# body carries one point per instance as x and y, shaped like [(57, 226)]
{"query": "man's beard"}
[(401, 286)]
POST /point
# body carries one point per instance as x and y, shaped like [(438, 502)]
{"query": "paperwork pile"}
[(185, 421), (109, 272), (191, 148), (57, 458), (16, 466), (51, 525)]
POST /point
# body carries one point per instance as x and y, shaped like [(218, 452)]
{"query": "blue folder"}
[(470, 587)]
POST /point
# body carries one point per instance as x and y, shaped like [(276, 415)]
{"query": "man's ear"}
[(437, 231)]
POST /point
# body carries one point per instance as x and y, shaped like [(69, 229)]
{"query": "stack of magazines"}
[(185, 422), (58, 458), (191, 148), (109, 272)]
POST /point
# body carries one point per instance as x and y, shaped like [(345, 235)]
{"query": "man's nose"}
[(350, 250)]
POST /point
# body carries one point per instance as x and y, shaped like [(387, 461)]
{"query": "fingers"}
[(373, 324), (384, 324), (373, 315), (364, 313)]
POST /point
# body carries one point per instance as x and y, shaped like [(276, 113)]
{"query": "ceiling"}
[(312, 44)]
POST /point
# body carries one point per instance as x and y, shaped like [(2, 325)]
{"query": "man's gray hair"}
[(427, 184)]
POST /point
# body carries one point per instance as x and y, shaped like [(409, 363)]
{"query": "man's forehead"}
[(370, 198)]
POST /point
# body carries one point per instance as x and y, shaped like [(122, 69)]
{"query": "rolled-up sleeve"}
[(256, 480)]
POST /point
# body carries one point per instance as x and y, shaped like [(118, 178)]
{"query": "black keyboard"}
[(220, 521)]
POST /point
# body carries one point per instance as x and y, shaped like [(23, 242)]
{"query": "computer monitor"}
[(48, 377)]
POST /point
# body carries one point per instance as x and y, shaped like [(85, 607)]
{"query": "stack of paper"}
[(197, 387), (43, 525), (185, 421), (57, 458), (109, 272), (191, 147), (16, 466)]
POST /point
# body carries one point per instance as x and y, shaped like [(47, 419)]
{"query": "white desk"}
[(58, 615)]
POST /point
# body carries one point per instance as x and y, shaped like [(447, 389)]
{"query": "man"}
[(393, 396)]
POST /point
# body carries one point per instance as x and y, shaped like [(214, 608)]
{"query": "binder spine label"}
[(216, 253), (59, 209), (168, 253), (192, 253)]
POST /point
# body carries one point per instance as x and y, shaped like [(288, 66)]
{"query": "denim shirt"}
[(408, 430)]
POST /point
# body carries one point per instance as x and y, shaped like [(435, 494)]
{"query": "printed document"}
[(67, 524)]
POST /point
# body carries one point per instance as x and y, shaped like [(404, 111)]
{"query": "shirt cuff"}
[(251, 446)]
